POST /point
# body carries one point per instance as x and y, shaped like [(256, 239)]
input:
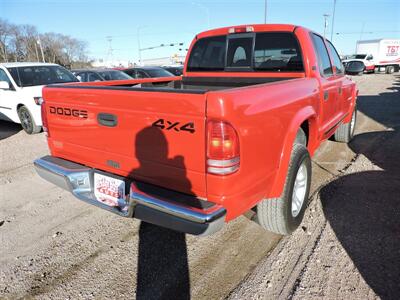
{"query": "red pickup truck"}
[(234, 133)]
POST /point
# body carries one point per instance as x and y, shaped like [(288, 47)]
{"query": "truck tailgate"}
[(153, 136)]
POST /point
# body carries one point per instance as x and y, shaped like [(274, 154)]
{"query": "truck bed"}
[(133, 145), (195, 85)]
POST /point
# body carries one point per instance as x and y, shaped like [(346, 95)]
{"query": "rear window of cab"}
[(264, 51)]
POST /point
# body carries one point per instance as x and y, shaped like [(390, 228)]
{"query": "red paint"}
[(266, 118), (389, 61)]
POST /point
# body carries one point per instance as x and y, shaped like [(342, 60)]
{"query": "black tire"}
[(275, 214), (345, 132), (27, 121), (389, 69)]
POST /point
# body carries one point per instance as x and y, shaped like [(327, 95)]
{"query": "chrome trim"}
[(223, 162), (78, 180), (183, 212), (69, 176), (223, 171)]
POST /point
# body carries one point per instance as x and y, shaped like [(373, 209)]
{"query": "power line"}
[(162, 45)]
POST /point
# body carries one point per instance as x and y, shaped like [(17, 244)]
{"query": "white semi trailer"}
[(385, 53), (380, 55)]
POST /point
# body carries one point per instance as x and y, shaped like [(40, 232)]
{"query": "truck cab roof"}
[(248, 28)]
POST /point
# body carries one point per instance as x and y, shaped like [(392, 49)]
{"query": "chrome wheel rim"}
[(25, 120), (299, 190)]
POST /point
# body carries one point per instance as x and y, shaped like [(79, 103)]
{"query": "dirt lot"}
[(56, 247)]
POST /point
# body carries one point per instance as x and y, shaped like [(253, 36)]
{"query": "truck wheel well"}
[(305, 128), (19, 105)]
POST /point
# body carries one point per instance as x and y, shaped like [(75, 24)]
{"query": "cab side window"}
[(324, 63), (132, 73), (141, 74), (82, 76), (93, 77), (336, 59), (4, 77)]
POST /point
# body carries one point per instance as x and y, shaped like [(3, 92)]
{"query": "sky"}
[(164, 22)]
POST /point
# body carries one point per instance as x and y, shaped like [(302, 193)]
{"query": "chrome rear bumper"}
[(146, 202)]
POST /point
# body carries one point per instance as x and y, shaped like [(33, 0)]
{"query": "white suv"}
[(21, 91)]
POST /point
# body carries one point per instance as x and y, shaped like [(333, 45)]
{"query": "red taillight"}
[(223, 155), (44, 118)]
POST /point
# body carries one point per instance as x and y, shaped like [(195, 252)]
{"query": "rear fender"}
[(307, 113)]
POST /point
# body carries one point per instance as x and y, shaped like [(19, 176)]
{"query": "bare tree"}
[(5, 29), (21, 43)]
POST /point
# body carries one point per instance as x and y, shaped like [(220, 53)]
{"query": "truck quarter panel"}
[(264, 134)]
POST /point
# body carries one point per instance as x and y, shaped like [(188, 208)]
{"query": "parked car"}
[(147, 72), (365, 59), (87, 75), (176, 70), (21, 91), (354, 67), (235, 134)]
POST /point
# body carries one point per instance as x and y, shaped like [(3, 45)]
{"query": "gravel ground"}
[(349, 246), (56, 247)]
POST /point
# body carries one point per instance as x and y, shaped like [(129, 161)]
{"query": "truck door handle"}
[(326, 95), (106, 119)]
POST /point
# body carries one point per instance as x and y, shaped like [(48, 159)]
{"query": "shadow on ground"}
[(163, 271), (8, 129), (363, 208)]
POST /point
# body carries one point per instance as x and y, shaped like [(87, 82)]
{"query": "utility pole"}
[(41, 48), (138, 43), (110, 49), (5, 51), (333, 19), (265, 12), (325, 23), (37, 53)]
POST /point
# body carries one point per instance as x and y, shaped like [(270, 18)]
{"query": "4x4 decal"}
[(172, 125)]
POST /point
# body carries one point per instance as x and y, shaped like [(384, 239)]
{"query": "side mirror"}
[(4, 85)]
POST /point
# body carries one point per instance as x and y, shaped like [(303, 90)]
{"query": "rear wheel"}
[(345, 132), (27, 121), (389, 69), (284, 214)]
